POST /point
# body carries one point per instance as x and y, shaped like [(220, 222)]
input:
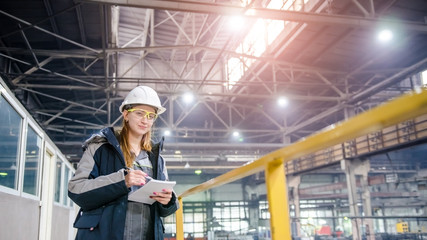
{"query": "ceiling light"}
[(167, 133), (385, 35), (282, 101), (236, 23), (188, 97), (236, 134), (187, 165)]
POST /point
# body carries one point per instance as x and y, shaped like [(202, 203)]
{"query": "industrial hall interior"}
[(285, 119)]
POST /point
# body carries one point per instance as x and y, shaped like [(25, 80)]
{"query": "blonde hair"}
[(124, 144)]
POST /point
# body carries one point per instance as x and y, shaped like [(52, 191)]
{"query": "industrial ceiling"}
[(72, 62)]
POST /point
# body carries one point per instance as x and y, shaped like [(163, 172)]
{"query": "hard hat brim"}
[(160, 109)]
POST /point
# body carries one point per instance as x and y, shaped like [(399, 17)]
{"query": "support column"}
[(180, 221), (360, 225), (367, 208), (275, 180), (293, 183)]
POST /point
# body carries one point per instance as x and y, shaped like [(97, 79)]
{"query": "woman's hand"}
[(163, 197), (135, 178)]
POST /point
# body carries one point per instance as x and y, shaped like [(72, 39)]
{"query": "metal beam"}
[(73, 53), (29, 46), (52, 20), (31, 70), (361, 8), (49, 71), (388, 81), (70, 119), (57, 115), (63, 100), (285, 15), (48, 32), (192, 48)]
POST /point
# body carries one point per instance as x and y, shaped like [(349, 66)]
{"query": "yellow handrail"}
[(395, 111)]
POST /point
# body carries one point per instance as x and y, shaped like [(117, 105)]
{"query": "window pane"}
[(58, 181), (32, 162), (235, 212), (10, 130), (188, 217), (170, 226), (199, 217), (65, 188)]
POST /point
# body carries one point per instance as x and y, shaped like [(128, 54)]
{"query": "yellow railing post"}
[(180, 220), (275, 180)]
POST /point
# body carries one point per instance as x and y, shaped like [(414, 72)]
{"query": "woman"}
[(117, 163)]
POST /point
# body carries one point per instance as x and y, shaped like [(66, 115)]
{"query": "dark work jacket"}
[(98, 187)]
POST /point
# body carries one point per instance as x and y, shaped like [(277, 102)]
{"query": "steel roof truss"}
[(63, 100), (31, 70), (49, 32)]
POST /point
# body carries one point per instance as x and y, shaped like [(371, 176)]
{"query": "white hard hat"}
[(143, 95)]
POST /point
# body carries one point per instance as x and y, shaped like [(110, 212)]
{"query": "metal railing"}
[(390, 138), (393, 112)]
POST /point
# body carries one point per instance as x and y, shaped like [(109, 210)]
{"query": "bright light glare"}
[(385, 35), (282, 102), (250, 12), (236, 134), (262, 34), (236, 23), (424, 77), (167, 133), (188, 97)]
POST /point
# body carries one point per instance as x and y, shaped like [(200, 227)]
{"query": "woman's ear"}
[(125, 115)]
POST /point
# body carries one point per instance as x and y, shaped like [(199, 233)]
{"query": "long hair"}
[(124, 143)]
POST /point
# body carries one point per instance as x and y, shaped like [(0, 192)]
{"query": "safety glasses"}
[(142, 113)]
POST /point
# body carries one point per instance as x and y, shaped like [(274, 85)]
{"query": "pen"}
[(129, 169)]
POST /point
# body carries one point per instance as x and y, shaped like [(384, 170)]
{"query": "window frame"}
[(15, 106), (63, 188), (37, 130)]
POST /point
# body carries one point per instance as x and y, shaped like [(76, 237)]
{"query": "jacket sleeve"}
[(170, 208), (89, 189), (173, 205)]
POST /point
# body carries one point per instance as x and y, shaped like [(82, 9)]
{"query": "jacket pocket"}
[(89, 219)]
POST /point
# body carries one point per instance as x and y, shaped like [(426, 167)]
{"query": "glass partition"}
[(62, 176), (32, 162), (65, 179), (10, 131), (58, 180), (215, 218)]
